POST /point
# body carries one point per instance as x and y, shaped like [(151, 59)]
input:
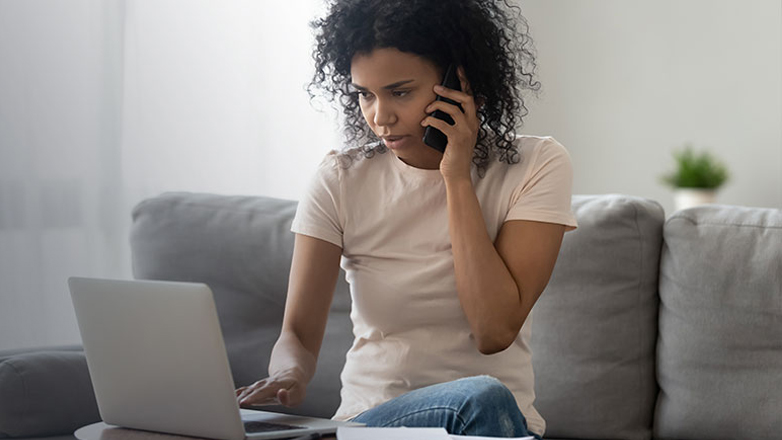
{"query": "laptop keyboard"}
[(266, 427)]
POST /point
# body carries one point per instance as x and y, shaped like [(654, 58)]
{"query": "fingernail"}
[(439, 88)]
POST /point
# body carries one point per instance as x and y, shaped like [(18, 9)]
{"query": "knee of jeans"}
[(487, 391), (492, 404)]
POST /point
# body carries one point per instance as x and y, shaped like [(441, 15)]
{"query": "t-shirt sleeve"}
[(545, 193), (318, 213)]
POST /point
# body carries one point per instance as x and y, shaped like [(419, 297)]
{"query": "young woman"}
[(445, 253)]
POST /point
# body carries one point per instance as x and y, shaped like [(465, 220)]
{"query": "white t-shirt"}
[(391, 221)]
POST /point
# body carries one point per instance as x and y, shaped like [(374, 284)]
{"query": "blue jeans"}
[(480, 406)]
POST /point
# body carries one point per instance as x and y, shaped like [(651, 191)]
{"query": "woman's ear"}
[(479, 101)]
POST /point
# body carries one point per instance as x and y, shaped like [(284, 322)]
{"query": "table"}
[(102, 431)]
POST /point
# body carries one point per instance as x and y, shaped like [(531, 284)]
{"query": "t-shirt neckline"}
[(410, 170), (422, 173)]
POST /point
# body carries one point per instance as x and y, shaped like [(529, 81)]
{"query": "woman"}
[(446, 253)]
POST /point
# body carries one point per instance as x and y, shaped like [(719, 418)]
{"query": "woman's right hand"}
[(279, 389)]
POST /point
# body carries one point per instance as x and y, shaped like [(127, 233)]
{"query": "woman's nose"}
[(384, 113)]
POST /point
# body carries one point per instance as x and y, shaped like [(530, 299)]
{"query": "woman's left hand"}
[(463, 135)]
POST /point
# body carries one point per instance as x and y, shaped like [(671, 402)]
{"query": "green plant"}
[(696, 170)]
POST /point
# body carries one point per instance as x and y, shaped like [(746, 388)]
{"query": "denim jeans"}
[(480, 406)]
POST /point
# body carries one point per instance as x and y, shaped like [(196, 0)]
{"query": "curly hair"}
[(489, 38)]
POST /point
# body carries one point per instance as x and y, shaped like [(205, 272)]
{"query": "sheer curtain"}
[(103, 104)]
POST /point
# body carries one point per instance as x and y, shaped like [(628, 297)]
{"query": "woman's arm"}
[(497, 283), (314, 271)]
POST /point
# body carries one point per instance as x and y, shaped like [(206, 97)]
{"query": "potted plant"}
[(696, 178)]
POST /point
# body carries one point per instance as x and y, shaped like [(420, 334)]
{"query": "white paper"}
[(360, 433), (471, 437)]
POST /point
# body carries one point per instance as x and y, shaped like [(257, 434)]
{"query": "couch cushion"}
[(241, 247), (45, 393), (595, 326), (720, 341)]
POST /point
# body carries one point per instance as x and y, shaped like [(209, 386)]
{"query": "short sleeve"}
[(545, 193), (318, 214)]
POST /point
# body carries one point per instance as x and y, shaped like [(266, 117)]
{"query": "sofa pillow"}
[(45, 393), (241, 247), (595, 326), (720, 340)]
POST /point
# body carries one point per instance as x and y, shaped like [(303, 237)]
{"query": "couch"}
[(649, 328)]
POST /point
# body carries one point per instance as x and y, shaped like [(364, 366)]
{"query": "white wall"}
[(626, 82), (215, 100)]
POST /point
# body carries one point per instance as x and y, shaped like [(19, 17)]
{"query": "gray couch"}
[(648, 329)]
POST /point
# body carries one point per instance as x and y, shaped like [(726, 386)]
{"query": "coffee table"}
[(102, 431)]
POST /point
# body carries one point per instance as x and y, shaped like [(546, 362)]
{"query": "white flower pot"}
[(684, 198)]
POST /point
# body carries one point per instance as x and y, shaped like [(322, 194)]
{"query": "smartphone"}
[(432, 136)]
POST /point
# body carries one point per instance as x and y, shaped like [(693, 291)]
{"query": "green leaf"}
[(696, 170)]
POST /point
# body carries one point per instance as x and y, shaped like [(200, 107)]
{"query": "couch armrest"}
[(5, 354), (45, 393)]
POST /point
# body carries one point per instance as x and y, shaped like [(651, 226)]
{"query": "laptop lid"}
[(156, 356), (158, 362)]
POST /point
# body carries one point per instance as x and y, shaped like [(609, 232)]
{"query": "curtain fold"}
[(105, 103), (60, 95)]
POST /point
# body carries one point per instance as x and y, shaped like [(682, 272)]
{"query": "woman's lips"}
[(394, 142)]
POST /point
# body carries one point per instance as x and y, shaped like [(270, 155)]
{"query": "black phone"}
[(432, 136)]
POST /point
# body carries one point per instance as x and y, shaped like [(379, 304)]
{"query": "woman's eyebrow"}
[(388, 87)]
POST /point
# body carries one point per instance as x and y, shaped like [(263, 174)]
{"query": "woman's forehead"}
[(390, 64)]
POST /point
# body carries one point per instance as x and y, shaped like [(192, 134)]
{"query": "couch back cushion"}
[(720, 340), (241, 247), (595, 326)]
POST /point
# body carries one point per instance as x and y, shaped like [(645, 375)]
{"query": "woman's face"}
[(393, 89)]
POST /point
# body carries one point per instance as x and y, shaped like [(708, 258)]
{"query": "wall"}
[(625, 83)]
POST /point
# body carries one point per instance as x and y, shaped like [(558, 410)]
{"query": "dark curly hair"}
[(489, 38)]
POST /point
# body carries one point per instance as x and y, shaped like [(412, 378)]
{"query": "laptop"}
[(158, 363)]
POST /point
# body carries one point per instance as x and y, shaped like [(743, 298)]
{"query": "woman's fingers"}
[(450, 109), (464, 99), (283, 396), (438, 124), (462, 122), (256, 393), (270, 392), (260, 396)]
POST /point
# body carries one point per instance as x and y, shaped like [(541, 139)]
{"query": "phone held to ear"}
[(432, 136)]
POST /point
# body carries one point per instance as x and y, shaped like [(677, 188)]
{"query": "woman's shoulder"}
[(541, 151), (529, 150), (535, 153), (539, 144)]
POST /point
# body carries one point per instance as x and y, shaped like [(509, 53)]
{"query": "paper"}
[(470, 437), (360, 433)]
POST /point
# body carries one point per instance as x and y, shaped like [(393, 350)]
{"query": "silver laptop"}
[(157, 360)]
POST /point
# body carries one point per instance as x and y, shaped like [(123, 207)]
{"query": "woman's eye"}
[(400, 93), (363, 94)]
